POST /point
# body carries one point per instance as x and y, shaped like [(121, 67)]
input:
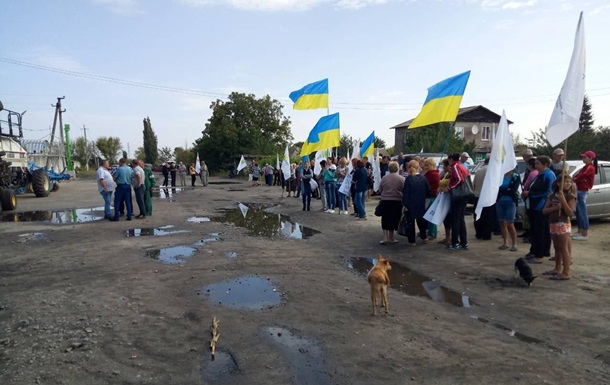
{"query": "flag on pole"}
[(198, 165), (286, 165), (443, 101), (277, 163), (242, 164), (324, 135), (368, 147), (566, 114), (502, 160), (376, 172), (311, 97), (356, 153), (350, 167), (318, 158)]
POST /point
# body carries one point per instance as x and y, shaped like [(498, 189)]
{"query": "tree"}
[(378, 142), (150, 143), (140, 154), (83, 151), (183, 155), (166, 154), (434, 139), (243, 125), (586, 120), (109, 147), (345, 142)]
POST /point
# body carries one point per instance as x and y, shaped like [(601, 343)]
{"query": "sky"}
[(119, 61)]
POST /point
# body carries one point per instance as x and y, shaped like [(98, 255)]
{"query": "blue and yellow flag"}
[(443, 101), (312, 96), (368, 147), (325, 134)]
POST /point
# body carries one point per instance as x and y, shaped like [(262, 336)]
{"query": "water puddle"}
[(211, 237), (411, 282), (221, 369), (60, 217), (172, 255), (304, 357), (224, 182), (23, 238), (249, 292), (259, 222), (236, 189), (232, 254), (166, 193), (520, 336), (198, 219), (154, 231)]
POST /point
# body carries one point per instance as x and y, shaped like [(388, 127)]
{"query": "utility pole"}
[(61, 149), (86, 149)]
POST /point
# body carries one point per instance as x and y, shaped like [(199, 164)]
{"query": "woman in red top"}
[(433, 177), (458, 205), (584, 182)]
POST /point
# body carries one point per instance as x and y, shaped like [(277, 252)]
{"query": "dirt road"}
[(99, 302)]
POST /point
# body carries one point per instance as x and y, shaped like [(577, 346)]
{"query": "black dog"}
[(525, 271)]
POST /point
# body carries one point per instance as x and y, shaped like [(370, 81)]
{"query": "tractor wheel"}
[(28, 188), (40, 183), (8, 199), (55, 187)]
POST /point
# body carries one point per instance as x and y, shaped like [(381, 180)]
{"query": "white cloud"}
[(504, 25), (49, 57), (122, 7), (284, 5), (507, 4)]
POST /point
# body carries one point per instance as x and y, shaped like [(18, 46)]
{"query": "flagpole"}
[(444, 152)]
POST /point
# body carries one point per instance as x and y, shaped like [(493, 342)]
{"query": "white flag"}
[(356, 153), (501, 160), (350, 167), (286, 165), (376, 172), (243, 208), (198, 165), (317, 167), (566, 114), (242, 164), (277, 163)]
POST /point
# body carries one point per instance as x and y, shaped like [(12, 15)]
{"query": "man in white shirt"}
[(105, 185), (137, 182), (464, 160)]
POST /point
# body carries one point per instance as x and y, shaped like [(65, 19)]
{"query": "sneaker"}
[(362, 218), (580, 237), (345, 212), (453, 247), (503, 247), (332, 211), (464, 247)]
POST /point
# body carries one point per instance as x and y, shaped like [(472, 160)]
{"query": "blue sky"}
[(380, 57)]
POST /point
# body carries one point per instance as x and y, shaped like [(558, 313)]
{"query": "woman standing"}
[(204, 173), (459, 173), (256, 174), (361, 183), (390, 189), (414, 193), (306, 186), (330, 187), (442, 186), (539, 190), (193, 173), (559, 207), (506, 208), (584, 182), (342, 171), (433, 177)]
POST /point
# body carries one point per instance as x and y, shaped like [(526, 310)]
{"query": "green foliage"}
[(346, 142), (186, 156), (243, 125), (379, 143), (434, 139), (140, 154), (109, 147), (151, 154), (166, 154), (586, 120), (83, 151)]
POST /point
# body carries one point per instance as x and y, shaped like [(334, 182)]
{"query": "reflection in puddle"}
[(154, 231), (211, 237), (304, 357), (224, 182), (249, 292), (31, 237), (166, 193), (519, 336), (232, 254), (198, 219), (221, 369), (413, 283), (172, 255), (56, 217), (253, 217)]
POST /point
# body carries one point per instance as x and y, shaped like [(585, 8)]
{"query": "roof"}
[(465, 114)]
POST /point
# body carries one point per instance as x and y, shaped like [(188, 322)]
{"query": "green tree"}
[(166, 154), (83, 151), (109, 147), (586, 121), (378, 142), (183, 155), (434, 139), (243, 125), (140, 154), (150, 143)]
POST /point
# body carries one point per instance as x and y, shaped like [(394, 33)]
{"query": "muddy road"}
[(88, 301)]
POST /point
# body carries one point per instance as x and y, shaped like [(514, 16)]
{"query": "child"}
[(559, 208)]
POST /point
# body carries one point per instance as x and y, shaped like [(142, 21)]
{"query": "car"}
[(598, 201)]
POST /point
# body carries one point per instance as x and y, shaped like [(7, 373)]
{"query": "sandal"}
[(552, 259), (444, 242), (559, 277), (513, 248), (503, 247), (383, 242), (550, 272), (534, 260)]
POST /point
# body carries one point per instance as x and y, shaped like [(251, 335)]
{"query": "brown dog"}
[(379, 281)]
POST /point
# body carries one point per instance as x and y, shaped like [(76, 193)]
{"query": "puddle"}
[(221, 369), (198, 219), (154, 231), (31, 237), (520, 336), (236, 189), (413, 283), (172, 255), (166, 193), (232, 254), (249, 292), (224, 182), (303, 356), (259, 222), (212, 237), (56, 217)]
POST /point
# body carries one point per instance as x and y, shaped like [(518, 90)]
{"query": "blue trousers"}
[(107, 200), (123, 195), (331, 194)]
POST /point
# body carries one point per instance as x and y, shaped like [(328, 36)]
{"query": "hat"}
[(527, 152), (558, 151), (333, 167), (306, 158), (588, 154), (465, 154)]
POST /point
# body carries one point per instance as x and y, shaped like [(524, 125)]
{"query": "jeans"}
[(582, 216), (331, 193), (342, 202), (359, 203), (432, 229), (306, 187), (107, 200), (122, 195)]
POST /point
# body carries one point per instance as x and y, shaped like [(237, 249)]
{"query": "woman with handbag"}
[(414, 193), (459, 197), (390, 205)]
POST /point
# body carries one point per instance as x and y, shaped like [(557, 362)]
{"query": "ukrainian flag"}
[(368, 147), (312, 96), (443, 101), (325, 134)]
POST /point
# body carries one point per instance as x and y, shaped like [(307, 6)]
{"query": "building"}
[(472, 123)]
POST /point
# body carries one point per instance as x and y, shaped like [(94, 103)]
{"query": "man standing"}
[(105, 185), (165, 171), (204, 173), (527, 154), (149, 183), (182, 173), (464, 160), (123, 190), (137, 182), (172, 173), (557, 164), (268, 171)]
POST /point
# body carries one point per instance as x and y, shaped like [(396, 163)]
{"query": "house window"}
[(486, 133), (459, 131)]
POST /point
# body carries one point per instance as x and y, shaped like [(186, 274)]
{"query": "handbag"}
[(462, 192), (403, 225), (378, 209), (313, 184)]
